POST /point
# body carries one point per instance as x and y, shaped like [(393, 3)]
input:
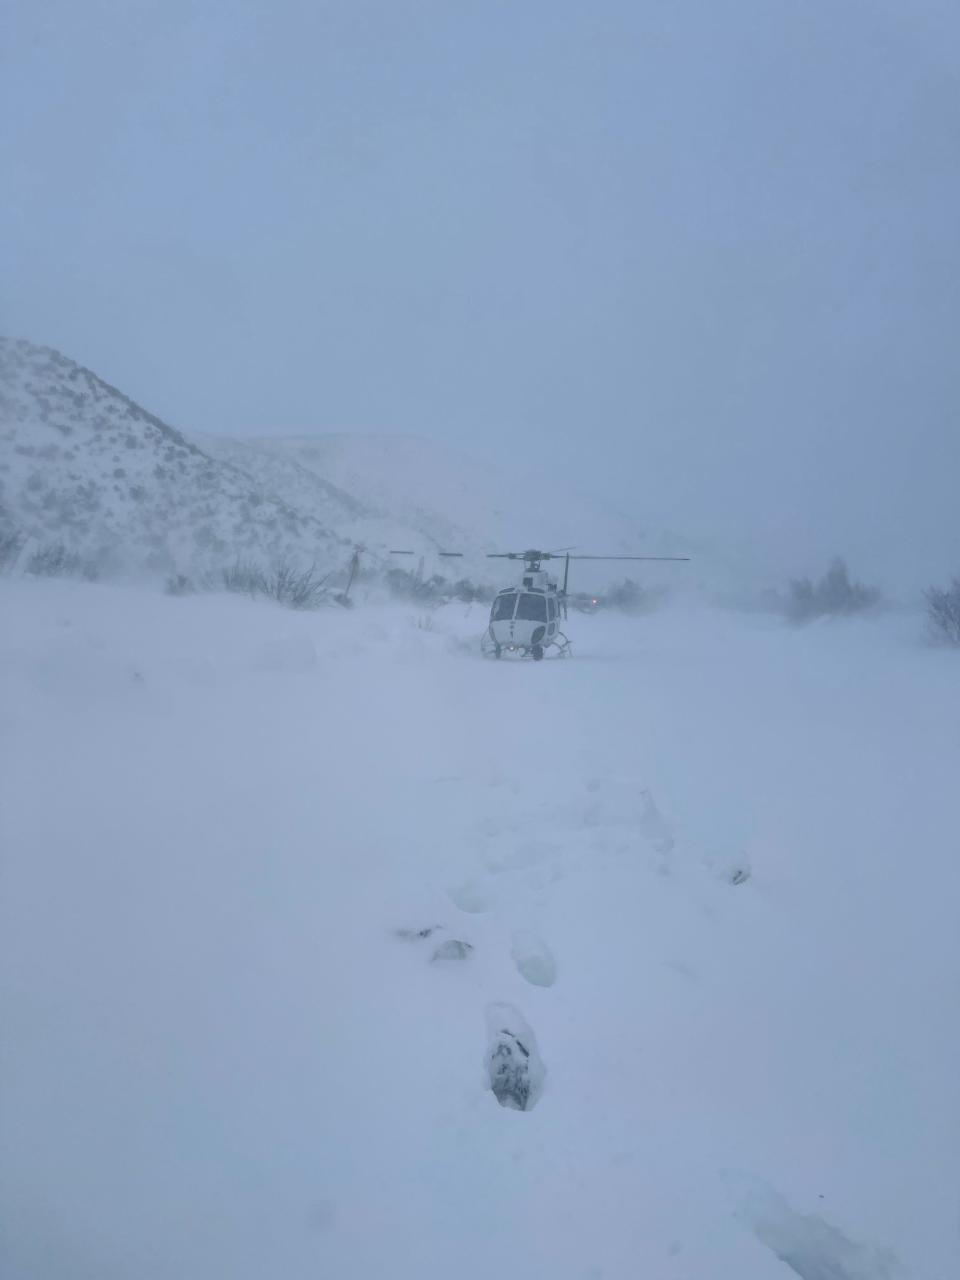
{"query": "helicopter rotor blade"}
[(439, 553), (567, 552), (675, 558)]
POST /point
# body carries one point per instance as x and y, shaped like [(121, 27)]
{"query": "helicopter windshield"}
[(532, 608), (503, 607)]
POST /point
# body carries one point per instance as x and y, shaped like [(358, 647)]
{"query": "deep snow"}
[(709, 864)]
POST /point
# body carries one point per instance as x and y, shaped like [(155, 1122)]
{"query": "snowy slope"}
[(707, 869), (82, 464), (447, 500), (277, 468)]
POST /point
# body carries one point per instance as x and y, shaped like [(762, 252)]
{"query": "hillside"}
[(444, 499), (277, 469), (82, 464)]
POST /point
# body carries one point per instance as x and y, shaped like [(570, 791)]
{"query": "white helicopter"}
[(525, 619)]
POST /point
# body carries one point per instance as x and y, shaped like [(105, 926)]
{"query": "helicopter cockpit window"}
[(532, 608), (503, 607)]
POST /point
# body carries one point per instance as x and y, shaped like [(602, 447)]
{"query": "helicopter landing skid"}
[(491, 650)]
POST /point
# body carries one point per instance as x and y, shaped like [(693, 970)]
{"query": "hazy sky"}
[(703, 252)]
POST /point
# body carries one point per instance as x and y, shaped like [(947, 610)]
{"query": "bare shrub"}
[(295, 588), (943, 613), (298, 589), (245, 578), (833, 596)]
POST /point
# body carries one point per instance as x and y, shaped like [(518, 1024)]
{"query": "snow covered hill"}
[(296, 469), (83, 465), (300, 910), (455, 502)]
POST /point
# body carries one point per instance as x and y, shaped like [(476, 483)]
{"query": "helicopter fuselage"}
[(525, 619)]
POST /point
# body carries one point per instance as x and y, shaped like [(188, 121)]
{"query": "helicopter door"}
[(551, 617)]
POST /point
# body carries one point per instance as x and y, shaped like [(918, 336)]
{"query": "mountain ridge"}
[(84, 464)]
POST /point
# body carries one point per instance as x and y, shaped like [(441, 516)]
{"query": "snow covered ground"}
[(708, 876)]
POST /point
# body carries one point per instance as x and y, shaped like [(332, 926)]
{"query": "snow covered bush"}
[(411, 586), (469, 592), (630, 597), (11, 544), (179, 585), (943, 613), (833, 596), (55, 560), (407, 585)]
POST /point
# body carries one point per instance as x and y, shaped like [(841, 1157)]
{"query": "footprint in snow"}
[(729, 865), (534, 959), (810, 1246), (473, 896), (452, 949), (514, 1066)]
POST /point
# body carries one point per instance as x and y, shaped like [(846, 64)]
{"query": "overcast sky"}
[(704, 253)]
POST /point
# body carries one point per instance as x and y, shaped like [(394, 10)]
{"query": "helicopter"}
[(525, 618)]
